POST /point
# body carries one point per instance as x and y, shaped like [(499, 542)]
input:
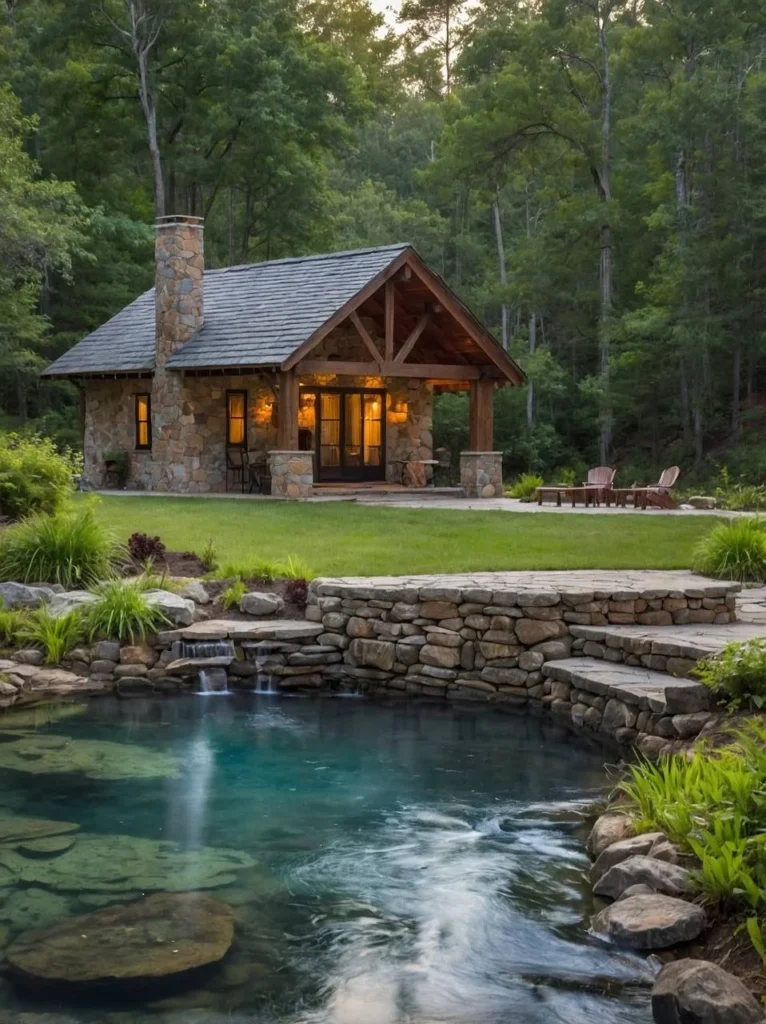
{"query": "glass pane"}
[(352, 447), (329, 442), (236, 424), (142, 402), (143, 435), (373, 430)]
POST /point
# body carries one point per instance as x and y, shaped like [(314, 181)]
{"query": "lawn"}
[(348, 539)]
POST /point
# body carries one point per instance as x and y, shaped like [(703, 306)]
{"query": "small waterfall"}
[(207, 649), (213, 682), (264, 681)]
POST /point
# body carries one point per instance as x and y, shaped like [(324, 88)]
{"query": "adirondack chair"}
[(601, 477), (658, 494)]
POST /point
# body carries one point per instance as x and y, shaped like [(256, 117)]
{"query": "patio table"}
[(591, 495)]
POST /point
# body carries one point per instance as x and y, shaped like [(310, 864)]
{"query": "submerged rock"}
[(126, 864), (29, 908), (660, 875), (95, 759), (39, 715), (699, 992), (650, 922), (162, 936), (17, 829)]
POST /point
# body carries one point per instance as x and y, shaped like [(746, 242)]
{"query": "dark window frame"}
[(229, 419), (138, 422)]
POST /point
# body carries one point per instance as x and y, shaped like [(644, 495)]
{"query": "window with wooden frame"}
[(143, 422), (236, 419)]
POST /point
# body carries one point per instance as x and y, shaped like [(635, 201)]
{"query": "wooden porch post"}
[(481, 416), (287, 432)]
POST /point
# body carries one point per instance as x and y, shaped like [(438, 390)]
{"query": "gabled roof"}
[(260, 314)]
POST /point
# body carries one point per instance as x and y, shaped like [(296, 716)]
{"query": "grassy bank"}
[(350, 539)]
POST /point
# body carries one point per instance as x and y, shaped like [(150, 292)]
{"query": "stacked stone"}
[(292, 474)]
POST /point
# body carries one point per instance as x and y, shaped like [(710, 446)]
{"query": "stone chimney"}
[(180, 265)]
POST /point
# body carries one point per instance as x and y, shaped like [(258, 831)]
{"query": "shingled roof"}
[(255, 315)]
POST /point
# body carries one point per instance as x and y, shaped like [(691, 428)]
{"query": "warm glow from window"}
[(236, 418), (143, 422)]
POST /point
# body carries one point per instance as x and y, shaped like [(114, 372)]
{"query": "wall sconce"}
[(307, 410), (398, 412), (263, 412)]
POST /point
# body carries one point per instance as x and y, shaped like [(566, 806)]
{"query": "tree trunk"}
[(735, 390), (530, 385), (685, 404), (605, 264), (501, 267)]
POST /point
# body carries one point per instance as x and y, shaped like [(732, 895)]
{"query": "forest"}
[(589, 175)]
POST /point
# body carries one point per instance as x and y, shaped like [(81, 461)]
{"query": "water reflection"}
[(407, 865)]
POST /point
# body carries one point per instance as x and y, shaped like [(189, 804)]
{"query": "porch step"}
[(644, 688), (395, 494), (671, 649)]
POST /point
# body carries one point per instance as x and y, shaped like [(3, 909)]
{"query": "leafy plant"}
[(294, 568), (12, 621), (55, 636), (143, 547), (297, 592), (737, 675), (524, 487), (756, 930), (734, 550), (122, 612), (34, 476), (231, 597), (72, 548), (209, 556)]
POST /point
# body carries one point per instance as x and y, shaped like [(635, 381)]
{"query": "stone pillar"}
[(481, 474), (292, 474), (178, 316)]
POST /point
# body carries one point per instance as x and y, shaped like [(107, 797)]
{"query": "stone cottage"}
[(283, 375)]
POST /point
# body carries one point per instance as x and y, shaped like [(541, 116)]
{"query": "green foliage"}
[(12, 621), (264, 570), (737, 676), (121, 612), (711, 804), (55, 636), (756, 930), (734, 550), (233, 594), (72, 547), (34, 476), (209, 556), (524, 487)]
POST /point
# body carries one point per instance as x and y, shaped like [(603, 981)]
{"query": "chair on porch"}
[(237, 469)]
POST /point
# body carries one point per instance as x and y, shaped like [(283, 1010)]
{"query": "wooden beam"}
[(287, 431), (481, 416), (390, 297), (435, 371), (372, 348), (412, 341)]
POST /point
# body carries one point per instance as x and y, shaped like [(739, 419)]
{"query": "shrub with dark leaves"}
[(143, 548), (297, 592)]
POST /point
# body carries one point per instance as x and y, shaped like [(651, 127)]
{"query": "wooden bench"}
[(590, 495)]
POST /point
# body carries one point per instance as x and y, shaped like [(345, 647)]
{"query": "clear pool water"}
[(412, 865)]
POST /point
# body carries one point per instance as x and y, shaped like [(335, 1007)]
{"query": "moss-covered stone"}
[(95, 759)]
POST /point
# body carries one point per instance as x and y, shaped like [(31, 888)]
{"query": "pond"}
[(386, 865)]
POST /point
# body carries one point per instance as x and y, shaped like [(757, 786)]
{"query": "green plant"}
[(34, 475), (524, 486), (122, 612), (12, 621), (72, 547), (756, 930), (734, 550), (294, 568), (265, 570), (233, 594), (209, 556), (55, 636), (737, 675)]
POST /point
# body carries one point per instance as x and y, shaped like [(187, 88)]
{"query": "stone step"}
[(671, 649), (264, 629), (633, 685)]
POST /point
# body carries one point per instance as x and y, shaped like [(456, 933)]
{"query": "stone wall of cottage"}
[(191, 457)]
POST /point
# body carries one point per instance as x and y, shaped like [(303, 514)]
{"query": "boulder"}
[(699, 992), (380, 654), (162, 936), (702, 501), (106, 650), (621, 850), (19, 595), (138, 654), (535, 631), (650, 921), (260, 603), (194, 591), (29, 656), (609, 828), (70, 601), (669, 879), (179, 610), (15, 829)]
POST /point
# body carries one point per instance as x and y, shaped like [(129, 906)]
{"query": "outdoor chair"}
[(603, 478), (657, 495), (236, 469)]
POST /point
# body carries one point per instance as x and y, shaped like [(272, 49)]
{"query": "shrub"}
[(142, 547), (71, 548), (744, 496), (712, 805), (737, 676), (734, 550), (231, 597), (122, 612), (34, 476), (209, 557), (524, 487), (297, 592), (12, 621), (55, 636)]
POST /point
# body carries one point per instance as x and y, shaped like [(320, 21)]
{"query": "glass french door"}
[(351, 435)]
